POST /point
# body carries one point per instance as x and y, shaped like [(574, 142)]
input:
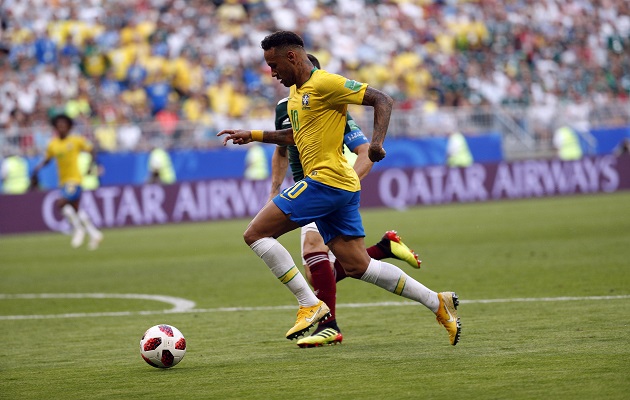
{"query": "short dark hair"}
[(314, 60), (281, 39), (57, 117)]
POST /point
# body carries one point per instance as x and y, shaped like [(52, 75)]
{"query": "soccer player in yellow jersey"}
[(322, 269), (65, 149), (330, 192)]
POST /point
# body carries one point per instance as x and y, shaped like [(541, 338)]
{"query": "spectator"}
[(158, 92), (128, 133), (542, 55), (45, 49), (79, 106), (168, 118), (94, 62)]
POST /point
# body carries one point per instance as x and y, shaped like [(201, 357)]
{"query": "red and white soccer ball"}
[(163, 346)]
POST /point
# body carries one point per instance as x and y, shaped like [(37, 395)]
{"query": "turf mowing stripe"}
[(186, 306)]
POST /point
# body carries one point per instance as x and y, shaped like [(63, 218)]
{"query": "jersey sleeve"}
[(337, 89), (353, 136), (282, 115), (282, 120)]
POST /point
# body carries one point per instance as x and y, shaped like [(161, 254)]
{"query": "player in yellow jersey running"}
[(322, 269), (330, 192), (65, 149)]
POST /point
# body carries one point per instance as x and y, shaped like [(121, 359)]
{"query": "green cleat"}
[(394, 244), (328, 336)]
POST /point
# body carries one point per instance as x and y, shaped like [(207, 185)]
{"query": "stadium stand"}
[(131, 71)]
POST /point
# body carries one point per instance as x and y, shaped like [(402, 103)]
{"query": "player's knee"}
[(314, 247), (314, 243), (250, 236), (354, 263), (354, 271)]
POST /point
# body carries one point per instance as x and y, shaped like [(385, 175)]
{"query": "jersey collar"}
[(309, 78)]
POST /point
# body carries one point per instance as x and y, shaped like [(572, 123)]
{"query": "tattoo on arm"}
[(275, 187), (279, 167), (370, 96), (284, 136), (382, 104)]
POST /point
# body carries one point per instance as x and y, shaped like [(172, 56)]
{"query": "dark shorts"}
[(335, 211)]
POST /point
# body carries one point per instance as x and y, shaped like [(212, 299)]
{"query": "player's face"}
[(281, 66), (63, 127)]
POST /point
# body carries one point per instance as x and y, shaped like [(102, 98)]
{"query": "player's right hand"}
[(376, 152), (238, 136)]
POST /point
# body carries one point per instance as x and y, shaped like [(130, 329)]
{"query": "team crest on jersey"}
[(306, 98)]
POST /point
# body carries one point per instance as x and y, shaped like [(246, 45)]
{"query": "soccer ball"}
[(162, 346)]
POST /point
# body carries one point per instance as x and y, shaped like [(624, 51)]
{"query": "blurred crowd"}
[(131, 70)]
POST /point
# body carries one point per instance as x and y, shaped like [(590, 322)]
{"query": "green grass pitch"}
[(544, 284)]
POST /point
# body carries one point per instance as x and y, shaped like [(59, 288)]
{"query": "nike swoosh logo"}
[(310, 320), (450, 317)]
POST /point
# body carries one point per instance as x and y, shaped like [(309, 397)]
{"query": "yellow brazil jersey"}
[(181, 70), (120, 59), (66, 152), (317, 111)]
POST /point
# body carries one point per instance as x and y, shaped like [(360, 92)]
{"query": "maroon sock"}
[(340, 273), (376, 252), (323, 279)]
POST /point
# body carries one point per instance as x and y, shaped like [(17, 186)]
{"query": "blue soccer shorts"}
[(335, 211), (71, 191)]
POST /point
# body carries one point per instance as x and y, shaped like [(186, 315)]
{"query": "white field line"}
[(179, 304), (186, 306)]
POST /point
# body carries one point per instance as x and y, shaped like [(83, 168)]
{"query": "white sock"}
[(89, 226), (282, 266), (392, 278), (72, 217)]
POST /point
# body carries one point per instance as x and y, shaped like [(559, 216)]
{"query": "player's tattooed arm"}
[(279, 167), (283, 137), (383, 105), (239, 136)]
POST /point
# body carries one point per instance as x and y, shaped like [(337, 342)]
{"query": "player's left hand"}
[(376, 152), (237, 136)]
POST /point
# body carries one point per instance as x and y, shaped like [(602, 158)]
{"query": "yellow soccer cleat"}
[(307, 317), (447, 315), (399, 250), (328, 336)]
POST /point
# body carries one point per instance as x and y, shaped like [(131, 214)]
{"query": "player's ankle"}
[(329, 323)]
